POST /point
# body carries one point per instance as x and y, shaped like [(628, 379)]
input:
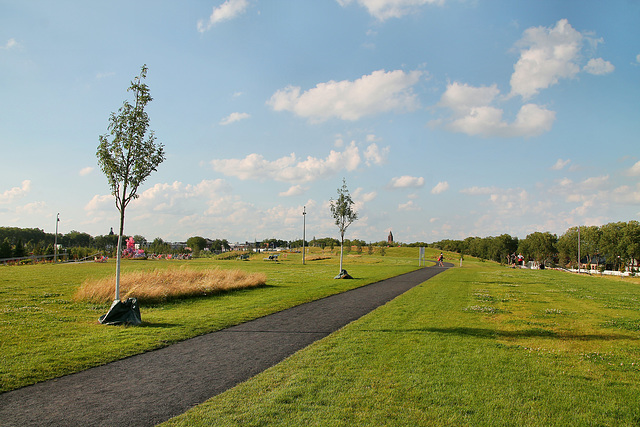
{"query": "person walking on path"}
[(440, 260)]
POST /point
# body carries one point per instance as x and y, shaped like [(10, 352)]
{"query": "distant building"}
[(390, 238)]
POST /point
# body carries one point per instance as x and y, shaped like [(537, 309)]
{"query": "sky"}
[(446, 118)]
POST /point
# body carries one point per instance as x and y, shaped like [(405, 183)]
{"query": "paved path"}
[(150, 388)]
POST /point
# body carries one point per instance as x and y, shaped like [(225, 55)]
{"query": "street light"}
[(304, 226), (55, 240), (578, 249)]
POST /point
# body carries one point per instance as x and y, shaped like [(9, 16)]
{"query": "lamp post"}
[(55, 241), (578, 249), (304, 226)]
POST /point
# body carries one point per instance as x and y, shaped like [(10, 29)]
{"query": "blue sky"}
[(447, 118)]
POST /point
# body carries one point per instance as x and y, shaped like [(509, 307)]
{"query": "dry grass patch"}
[(317, 257), (163, 285)]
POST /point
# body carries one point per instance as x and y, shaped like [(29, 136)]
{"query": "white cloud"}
[(599, 67), (385, 9), (547, 55), (406, 181), (375, 93), (595, 182), (375, 155), (104, 75), (409, 206), (16, 192), (226, 11), (363, 197), (440, 187), (290, 168), (462, 98), (627, 195), (638, 58), (234, 117), (294, 190), (565, 182), (560, 164), (634, 170), (478, 191), (100, 203), (85, 171), (11, 44), (34, 208), (510, 201), (473, 114)]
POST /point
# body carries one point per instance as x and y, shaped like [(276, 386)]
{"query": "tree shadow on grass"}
[(524, 333), (146, 324), (159, 302)]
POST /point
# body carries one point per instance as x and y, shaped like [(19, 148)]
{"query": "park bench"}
[(271, 258)]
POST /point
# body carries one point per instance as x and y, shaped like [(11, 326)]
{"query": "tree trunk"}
[(341, 246), (117, 298), (118, 255)]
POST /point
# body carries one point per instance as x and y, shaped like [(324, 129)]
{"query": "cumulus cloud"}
[(234, 117), (547, 55), (226, 11), (560, 164), (85, 171), (409, 206), (473, 115), (634, 170), (290, 168), (10, 44), (375, 155), (550, 54), (378, 92), (599, 67), (595, 182), (16, 192), (385, 9), (462, 98), (294, 190), (361, 196), (479, 191), (406, 181), (440, 187), (99, 203)]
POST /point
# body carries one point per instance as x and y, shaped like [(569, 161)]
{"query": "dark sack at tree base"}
[(121, 313), (343, 275)]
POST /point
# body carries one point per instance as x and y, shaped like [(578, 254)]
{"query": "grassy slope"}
[(44, 335), (481, 345)]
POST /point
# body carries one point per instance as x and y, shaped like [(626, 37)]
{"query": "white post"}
[(578, 249), (304, 225), (55, 244)]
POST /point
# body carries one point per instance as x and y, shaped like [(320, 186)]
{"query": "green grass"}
[(44, 335), (543, 348)]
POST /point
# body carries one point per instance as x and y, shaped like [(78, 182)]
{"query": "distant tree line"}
[(613, 246), (21, 242)]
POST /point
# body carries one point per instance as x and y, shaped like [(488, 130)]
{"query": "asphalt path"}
[(152, 387)]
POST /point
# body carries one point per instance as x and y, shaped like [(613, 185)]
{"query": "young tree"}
[(343, 213), (127, 154)]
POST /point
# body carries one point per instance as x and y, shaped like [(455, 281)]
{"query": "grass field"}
[(44, 334), (480, 345)]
